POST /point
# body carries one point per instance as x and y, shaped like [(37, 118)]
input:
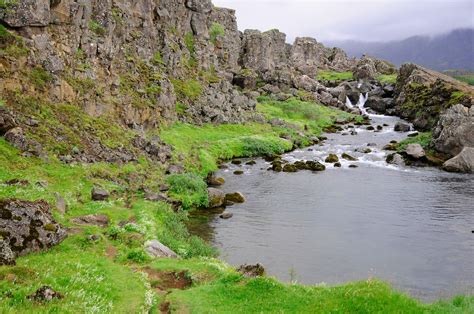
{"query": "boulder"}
[(402, 127), (415, 151), (315, 165), (27, 13), (251, 271), (212, 180), (155, 248), (332, 158), (45, 294), (27, 227), (216, 197), (92, 220), (348, 157), (463, 162), (236, 197), (17, 138), (395, 159), (7, 121), (6, 254), (99, 194), (289, 168), (455, 130)]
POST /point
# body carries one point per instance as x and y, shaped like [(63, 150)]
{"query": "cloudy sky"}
[(369, 20)]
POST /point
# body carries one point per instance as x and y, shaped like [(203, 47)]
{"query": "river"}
[(409, 226)]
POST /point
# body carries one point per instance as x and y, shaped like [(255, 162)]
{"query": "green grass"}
[(187, 89), (302, 113), (97, 28), (334, 76), (424, 139), (388, 78), (215, 31), (189, 188), (466, 78)]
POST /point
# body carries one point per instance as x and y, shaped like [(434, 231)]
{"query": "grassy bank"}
[(106, 270)]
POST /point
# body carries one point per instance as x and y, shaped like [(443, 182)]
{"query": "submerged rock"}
[(238, 172), (251, 271), (216, 197), (236, 197), (155, 248), (463, 162), (212, 180), (290, 168), (226, 215), (395, 159)]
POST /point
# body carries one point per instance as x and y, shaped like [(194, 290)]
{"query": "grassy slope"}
[(103, 276), (334, 76)]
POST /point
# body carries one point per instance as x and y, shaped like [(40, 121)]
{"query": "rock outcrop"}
[(455, 130), (421, 95), (463, 162), (26, 227)]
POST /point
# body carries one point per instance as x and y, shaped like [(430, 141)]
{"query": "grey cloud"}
[(370, 20)]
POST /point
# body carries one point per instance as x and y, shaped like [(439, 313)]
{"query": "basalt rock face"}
[(26, 227), (421, 95)]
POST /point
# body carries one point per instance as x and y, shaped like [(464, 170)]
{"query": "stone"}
[(7, 121), (216, 197), (28, 13), (348, 157), (315, 165), (226, 215), (353, 166), (27, 227), (337, 165), (463, 162), (99, 194), (238, 172), (6, 254), (415, 151), (289, 168), (214, 181), (455, 130), (402, 127), (251, 271), (332, 158), (235, 197), (45, 294), (17, 138), (156, 249), (395, 159), (92, 220)]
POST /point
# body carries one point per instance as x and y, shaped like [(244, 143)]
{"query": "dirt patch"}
[(111, 252), (167, 280), (165, 308)]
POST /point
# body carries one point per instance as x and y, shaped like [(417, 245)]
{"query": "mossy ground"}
[(105, 274), (334, 76)]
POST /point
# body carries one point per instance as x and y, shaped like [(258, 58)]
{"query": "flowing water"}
[(412, 227)]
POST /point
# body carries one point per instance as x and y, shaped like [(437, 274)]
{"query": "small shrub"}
[(189, 188), (97, 28), (181, 108), (137, 256), (189, 89), (389, 79), (216, 31), (40, 77)]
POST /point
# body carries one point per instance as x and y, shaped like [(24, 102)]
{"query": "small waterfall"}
[(349, 103), (362, 99)]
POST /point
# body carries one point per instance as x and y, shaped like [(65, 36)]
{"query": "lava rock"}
[(155, 248), (402, 127), (251, 271), (99, 194), (7, 257), (27, 227), (45, 294)]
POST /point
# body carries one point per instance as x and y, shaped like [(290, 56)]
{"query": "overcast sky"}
[(369, 20)]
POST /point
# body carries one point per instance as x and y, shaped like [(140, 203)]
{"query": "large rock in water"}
[(455, 130), (464, 162), (27, 227), (216, 197), (415, 151)]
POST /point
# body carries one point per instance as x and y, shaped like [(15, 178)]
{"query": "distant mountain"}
[(454, 50)]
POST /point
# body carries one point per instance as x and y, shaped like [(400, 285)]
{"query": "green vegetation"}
[(467, 78), (40, 77), (187, 89), (190, 189), (97, 28), (334, 76), (157, 59), (5, 4), (302, 113), (215, 31), (190, 43), (424, 139), (388, 79)]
